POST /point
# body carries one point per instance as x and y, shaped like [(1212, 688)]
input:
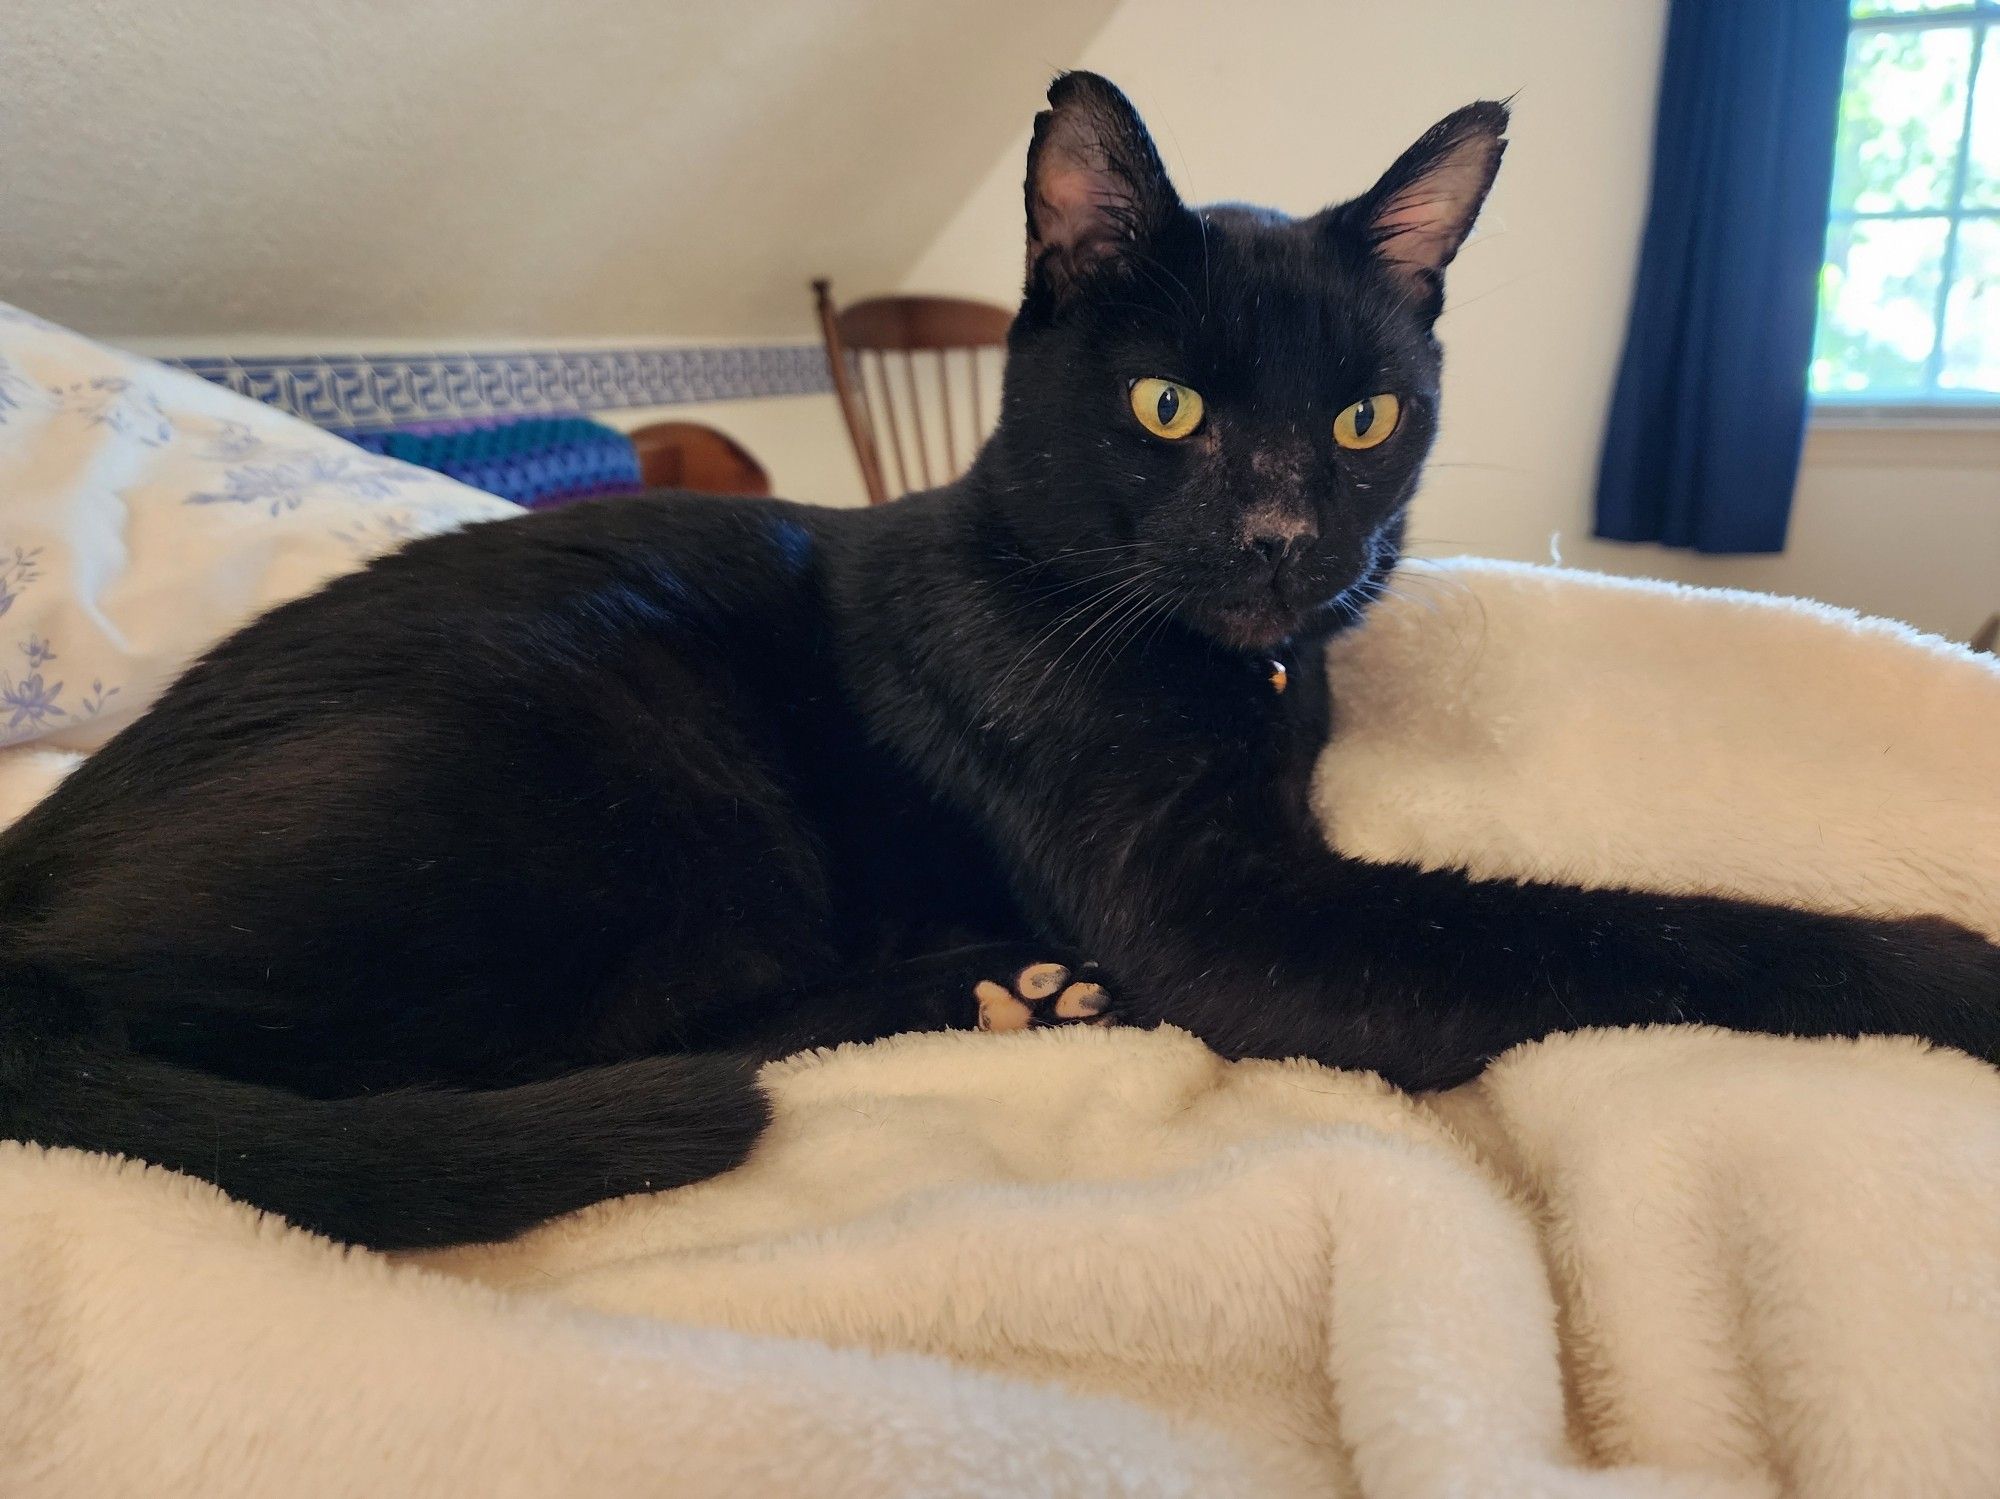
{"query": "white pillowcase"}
[(144, 514)]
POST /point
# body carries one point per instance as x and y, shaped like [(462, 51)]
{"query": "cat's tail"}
[(402, 1169)]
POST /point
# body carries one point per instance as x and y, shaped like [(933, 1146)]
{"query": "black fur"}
[(469, 889)]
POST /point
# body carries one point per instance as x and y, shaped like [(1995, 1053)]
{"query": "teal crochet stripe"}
[(529, 460)]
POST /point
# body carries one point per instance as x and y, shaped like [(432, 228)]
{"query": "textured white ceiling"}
[(331, 170)]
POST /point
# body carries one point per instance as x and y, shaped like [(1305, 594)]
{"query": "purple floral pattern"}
[(31, 704), (123, 406), (17, 570), (143, 514)]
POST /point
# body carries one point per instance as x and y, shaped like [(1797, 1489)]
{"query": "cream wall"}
[(317, 170), (799, 440), (1296, 105)]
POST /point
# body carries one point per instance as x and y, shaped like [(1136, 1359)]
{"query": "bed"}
[(1094, 1262)]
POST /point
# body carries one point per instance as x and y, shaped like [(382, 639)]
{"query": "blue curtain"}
[(1702, 447)]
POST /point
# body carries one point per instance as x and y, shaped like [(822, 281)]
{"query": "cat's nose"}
[(1274, 535)]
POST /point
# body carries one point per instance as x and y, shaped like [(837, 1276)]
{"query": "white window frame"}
[(1932, 406)]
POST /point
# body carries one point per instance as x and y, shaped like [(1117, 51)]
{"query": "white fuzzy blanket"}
[(1102, 1262)]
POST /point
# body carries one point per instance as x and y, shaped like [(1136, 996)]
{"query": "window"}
[(1909, 300)]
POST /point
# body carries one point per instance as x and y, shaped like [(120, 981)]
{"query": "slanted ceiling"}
[(209, 171)]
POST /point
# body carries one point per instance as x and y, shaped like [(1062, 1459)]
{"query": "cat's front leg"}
[(1425, 976)]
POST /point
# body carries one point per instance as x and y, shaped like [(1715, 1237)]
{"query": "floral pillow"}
[(144, 513)]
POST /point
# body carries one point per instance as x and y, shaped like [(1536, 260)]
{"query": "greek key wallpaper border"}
[(363, 390)]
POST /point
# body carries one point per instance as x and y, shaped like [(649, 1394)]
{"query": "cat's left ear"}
[(1095, 190), (1417, 216)]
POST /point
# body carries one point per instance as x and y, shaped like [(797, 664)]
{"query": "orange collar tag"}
[(1279, 677)]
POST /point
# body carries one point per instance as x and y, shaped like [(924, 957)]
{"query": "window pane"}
[(1877, 296), (1905, 7), (1902, 109), (1982, 181), (1972, 314)]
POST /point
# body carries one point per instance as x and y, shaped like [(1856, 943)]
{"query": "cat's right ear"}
[(1095, 189)]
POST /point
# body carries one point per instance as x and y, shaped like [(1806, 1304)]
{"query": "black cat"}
[(472, 888)]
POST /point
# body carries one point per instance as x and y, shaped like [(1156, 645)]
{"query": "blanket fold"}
[(1680, 1263)]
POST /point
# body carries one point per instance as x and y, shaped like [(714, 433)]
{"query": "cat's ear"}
[(1417, 216), (1095, 189)]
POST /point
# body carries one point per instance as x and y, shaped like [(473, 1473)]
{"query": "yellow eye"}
[(1368, 423), (1166, 409)]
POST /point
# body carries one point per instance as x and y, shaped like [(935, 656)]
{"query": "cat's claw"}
[(1042, 994)]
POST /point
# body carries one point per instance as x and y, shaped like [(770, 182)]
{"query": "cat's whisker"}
[(1415, 601), (1040, 593), (1384, 591), (1165, 617), (1034, 566), (1207, 290), (1133, 587), (1490, 291), (1112, 593), (1459, 591), (1047, 596), (1030, 564), (1422, 577), (1162, 612), (1048, 629), (1104, 654), (1139, 259), (1432, 541), (1101, 655)]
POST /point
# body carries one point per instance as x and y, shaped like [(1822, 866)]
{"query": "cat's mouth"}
[(1269, 618), (1261, 626)]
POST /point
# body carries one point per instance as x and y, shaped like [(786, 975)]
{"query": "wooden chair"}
[(943, 327), (688, 455)]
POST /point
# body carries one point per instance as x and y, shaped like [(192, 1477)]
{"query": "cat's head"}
[(1228, 403)]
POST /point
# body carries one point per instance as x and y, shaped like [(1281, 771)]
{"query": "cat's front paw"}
[(1045, 993)]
